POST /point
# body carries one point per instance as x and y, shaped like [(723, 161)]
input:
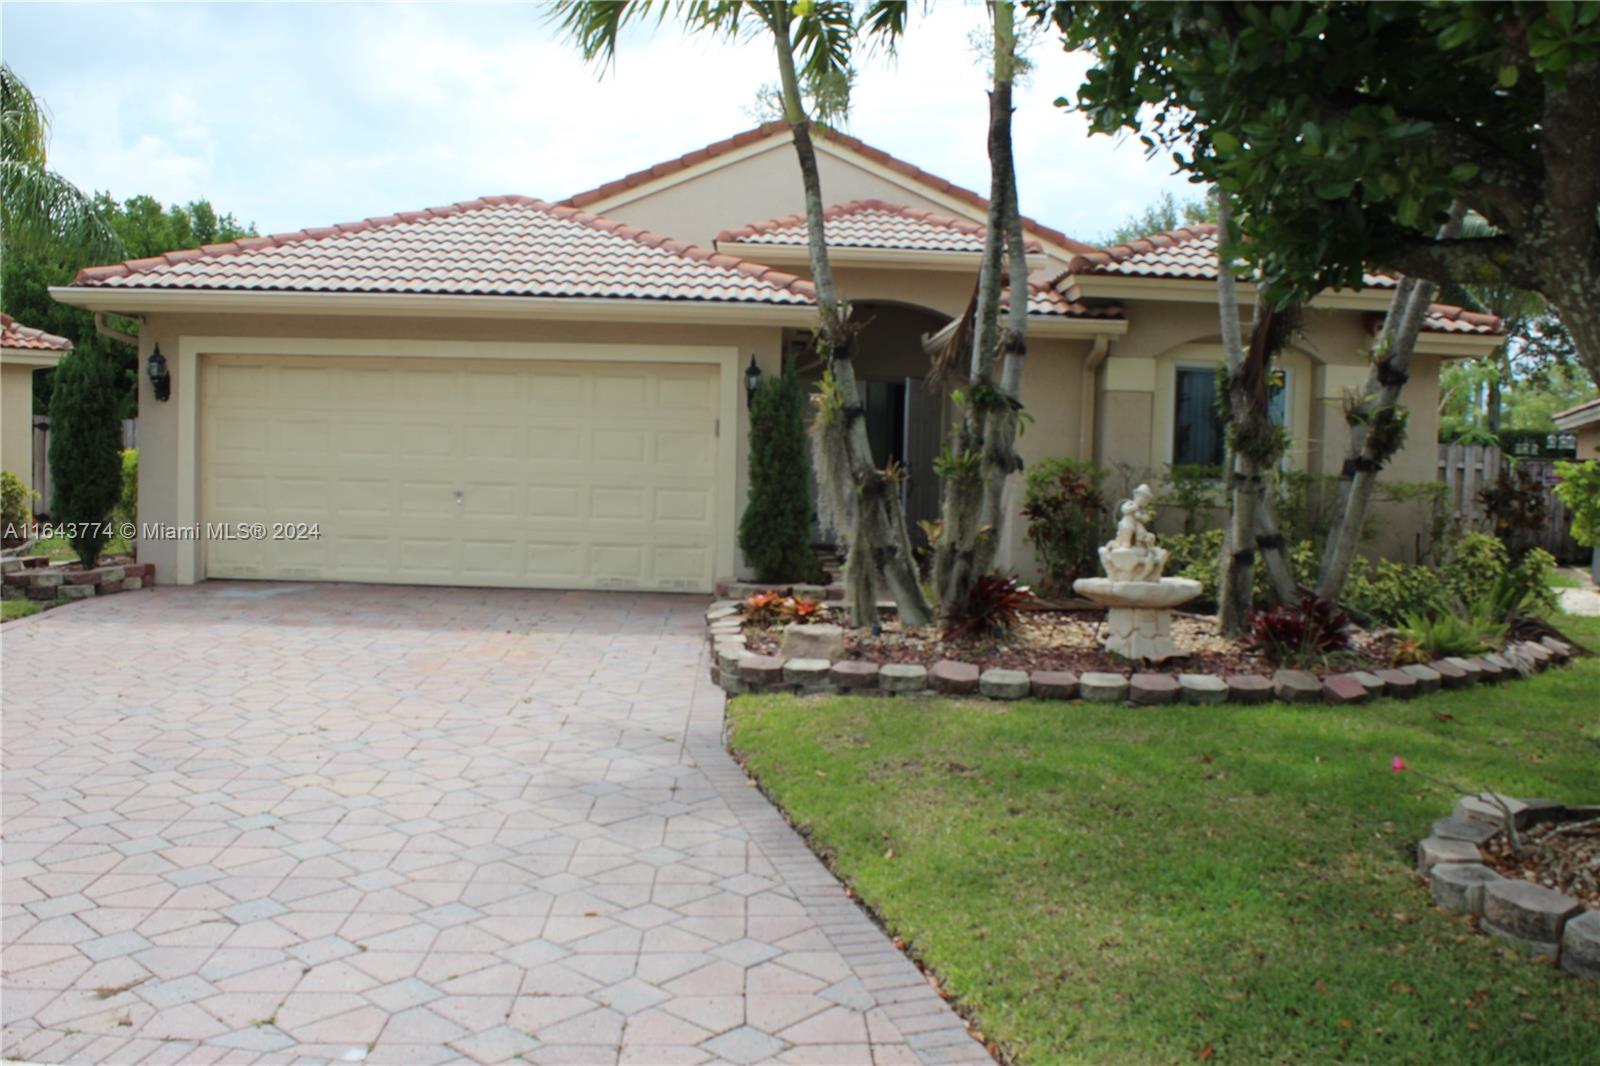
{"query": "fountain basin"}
[(1166, 592)]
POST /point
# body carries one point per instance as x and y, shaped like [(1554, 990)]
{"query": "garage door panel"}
[(465, 472)]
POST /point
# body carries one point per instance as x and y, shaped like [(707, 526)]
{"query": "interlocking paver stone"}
[(416, 826)]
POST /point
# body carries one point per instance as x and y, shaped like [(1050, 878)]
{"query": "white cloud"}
[(299, 115)]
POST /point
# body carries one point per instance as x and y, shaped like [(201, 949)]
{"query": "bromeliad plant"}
[(1293, 635), (771, 608), (993, 608)]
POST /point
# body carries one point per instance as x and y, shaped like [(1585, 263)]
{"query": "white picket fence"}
[(41, 456), (1467, 469)]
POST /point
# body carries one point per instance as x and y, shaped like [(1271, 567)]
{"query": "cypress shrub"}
[(85, 450), (775, 532)]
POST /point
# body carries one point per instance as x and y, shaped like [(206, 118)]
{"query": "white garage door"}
[(533, 474)]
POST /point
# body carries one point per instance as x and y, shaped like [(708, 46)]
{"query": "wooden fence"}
[(41, 456), (1467, 469)]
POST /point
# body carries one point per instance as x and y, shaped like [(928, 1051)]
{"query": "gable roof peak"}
[(823, 134)]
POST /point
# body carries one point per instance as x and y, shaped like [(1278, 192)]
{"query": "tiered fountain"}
[(1138, 599)]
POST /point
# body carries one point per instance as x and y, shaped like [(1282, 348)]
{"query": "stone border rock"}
[(41, 581), (1530, 917), (737, 670)]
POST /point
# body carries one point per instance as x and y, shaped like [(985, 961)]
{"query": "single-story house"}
[(23, 350), (1583, 422), (513, 392)]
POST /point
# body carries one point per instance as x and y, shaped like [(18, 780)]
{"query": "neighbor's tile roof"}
[(773, 129), (873, 224), (14, 334), (1191, 253), (495, 246)]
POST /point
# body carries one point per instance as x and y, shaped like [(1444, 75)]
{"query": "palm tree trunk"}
[(878, 543), (1377, 426), (982, 440)]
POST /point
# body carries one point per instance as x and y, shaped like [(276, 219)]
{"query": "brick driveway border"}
[(270, 823)]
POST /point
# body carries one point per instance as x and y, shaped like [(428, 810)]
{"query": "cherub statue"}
[(1131, 531)]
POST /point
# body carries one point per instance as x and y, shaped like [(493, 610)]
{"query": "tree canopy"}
[(1167, 213), (1345, 132)]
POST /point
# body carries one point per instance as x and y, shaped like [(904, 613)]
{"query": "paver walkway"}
[(275, 823)]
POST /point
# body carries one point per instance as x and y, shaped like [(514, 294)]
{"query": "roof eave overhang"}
[(434, 305), (1200, 290), (1458, 345), (1584, 414), (32, 357), (1050, 327), (888, 258)]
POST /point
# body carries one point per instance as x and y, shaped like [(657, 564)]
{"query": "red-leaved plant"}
[(772, 608), (1287, 634), (993, 608)]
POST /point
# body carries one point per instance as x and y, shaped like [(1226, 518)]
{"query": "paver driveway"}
[(279, 823)]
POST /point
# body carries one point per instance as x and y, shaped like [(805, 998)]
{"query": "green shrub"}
[(1197, 556), (775, 532), (127, 512), (1387, 591), (1579, 489), (85, 450), (15, 506), (1065, 513), (1195, 489), (1466, 630)]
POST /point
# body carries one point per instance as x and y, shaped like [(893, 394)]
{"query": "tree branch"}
[(1467, 260)]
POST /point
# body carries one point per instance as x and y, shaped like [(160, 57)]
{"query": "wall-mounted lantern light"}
[(752, 380), (160, 378)]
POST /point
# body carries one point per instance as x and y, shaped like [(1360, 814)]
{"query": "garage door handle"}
[(458, 497)]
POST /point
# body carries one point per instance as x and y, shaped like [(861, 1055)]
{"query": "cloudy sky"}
[(293, 115)]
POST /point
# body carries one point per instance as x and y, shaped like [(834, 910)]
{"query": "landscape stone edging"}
[(737, 670), (1524, 914), (41, 581)]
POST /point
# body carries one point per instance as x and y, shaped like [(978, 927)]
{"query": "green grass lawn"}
[(11, 610), (1561, 579), (1232, 884)]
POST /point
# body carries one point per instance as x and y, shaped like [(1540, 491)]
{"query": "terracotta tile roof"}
[(14, 334), (873, 224), (773, 129), (498, 245), (1190, 253), (1046, 299)]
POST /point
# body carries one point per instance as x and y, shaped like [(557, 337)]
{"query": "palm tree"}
[(813, 40), (41, 211), (981, 453)]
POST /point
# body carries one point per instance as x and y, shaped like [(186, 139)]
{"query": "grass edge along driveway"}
[(1226, 884)]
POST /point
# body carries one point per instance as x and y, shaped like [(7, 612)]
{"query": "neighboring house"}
[(1583, 422), (23, 350), (512, 392)]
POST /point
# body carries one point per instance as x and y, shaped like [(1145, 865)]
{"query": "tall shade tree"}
[(1346, 131), (813, 41), (980, 455), (39, 209), (1254, 443)]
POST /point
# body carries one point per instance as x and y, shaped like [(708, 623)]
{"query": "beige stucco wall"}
[(16, 420), (1589, 441), (159, 422), (1330, 355)]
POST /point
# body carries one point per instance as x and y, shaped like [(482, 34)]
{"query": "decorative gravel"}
[(1070, 640)]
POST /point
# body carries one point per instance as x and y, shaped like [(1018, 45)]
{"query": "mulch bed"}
[(1564, 856), (1069, 640)]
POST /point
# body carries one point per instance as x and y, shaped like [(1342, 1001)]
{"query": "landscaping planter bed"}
[(34, 577), (1069, 640), (1543, 899), (1055, 655)]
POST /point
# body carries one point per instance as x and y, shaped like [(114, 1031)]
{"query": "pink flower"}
[(1398, 765)]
